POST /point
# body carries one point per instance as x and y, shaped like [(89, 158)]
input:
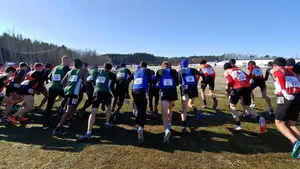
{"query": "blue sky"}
[(162, 27)]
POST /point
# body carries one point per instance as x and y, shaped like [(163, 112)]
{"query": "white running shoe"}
[(237, 128), (140, 135), (252, 105), (167, 136)]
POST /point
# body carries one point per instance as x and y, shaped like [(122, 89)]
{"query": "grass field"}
[(209, 143)]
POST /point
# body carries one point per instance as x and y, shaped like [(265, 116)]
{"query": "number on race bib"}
[(280, 100), (138, 81), (73, 78), (257, 72), (168, 82), (56, 77), (208, 71), (16, 85), (120, 75), (291, 81), (100, 79), (190, 79)]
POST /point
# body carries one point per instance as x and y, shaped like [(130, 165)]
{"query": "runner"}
[(27, 91), (208, 78), (72, 85), (121, 93), (288, 107), (4, 80), (168, 80), (189, 90), (238, 83), (154, 94), (91, 82), (141, 81), (258, 80), (55, 88), (105, 80), (270, 67)]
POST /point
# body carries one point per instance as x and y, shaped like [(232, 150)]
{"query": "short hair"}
[(65, 57), (36, 65), (107, 66), (280, 61), (290, 62), (77, 63), (203, 62), (251, 62), (85, 64), (143, 64), (10, 69), (165, 64), (23, 64), (227, 66), (123, 65), (270, 64), (232, 61)]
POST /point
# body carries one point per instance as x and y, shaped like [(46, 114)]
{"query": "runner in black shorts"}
[(208, 78), (168, 80), (154, 95)]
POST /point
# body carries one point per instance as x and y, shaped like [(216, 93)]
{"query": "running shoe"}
[(183, 129), (204, 106), (59, 132), (22, 119), (136, 127), (85, 137), (245, 114), (46, 126), (238, 128), (13, 120), (107, 125), (167, 136), (140, 136), (215, 105), (5, 120), (252, 105), (296, 150), (262, 125)]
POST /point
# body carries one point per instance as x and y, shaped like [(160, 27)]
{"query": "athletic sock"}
[(214, 98), (89, 132), (183, 124), (204, 101), (238, 123)]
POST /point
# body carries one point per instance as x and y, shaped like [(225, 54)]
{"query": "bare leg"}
[(282, 127), (9, 104), (92, 119), (293, 127)]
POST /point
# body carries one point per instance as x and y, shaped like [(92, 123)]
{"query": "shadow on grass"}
[(195, 140)]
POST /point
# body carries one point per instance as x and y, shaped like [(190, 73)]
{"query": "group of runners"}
[(108, 88)]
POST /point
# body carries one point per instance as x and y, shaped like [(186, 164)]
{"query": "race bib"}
[(73, 78), (138, 81), (74, 101), (25, 83), (190, 79), (291, 81), (30, 91), (16, 85), (120, 75), (56, 77), (241, 77), (257, 72), (280, 100), (100, 79), (90, 78), (208, 71), (168, 82)]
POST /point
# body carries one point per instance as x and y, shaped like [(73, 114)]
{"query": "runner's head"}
[(10, 71), (77, 64), (66, 60), (143, 64), (232, 61), (123, 65), (270, 64), (95, 67), (290, 62), (184, 63), (85, 65), (202, 63), (39, 67), (280, 61), (23, 66), (165, 65), (48, 66), (227, 66), (251, 63), (107, 66)]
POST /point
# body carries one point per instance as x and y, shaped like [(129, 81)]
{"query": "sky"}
[(162, 27)]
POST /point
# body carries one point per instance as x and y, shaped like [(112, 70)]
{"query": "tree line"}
[(17, 48)]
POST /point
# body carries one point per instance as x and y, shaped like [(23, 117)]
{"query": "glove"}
[(287, 96)]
